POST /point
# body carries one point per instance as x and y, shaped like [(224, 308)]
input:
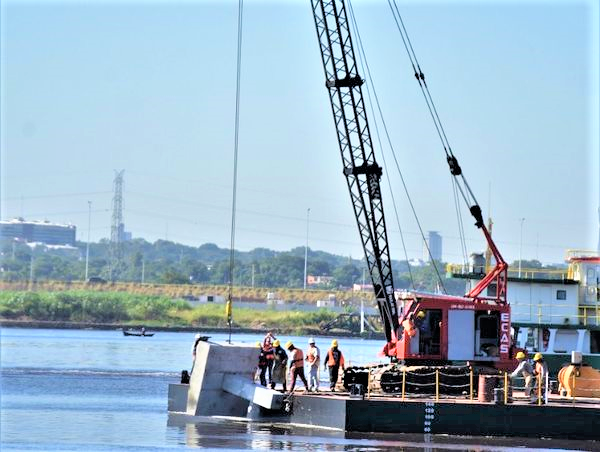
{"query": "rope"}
[(235, 159), (420, 77)]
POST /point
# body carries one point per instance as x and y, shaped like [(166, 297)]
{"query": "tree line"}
[(167, 262)]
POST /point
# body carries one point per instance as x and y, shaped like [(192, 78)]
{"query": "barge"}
[(222, 386)]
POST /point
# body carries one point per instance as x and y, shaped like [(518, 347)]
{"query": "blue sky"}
[(149, 87)]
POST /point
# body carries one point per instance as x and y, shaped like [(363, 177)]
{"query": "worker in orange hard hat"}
[(526, 370), (335, 360)]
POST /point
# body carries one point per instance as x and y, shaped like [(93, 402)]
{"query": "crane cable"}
[(235, 165), (466, 193), (365, 64)]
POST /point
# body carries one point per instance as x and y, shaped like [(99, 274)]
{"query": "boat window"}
[(561, 294), (565, 341), (591, 275), (491, 290)]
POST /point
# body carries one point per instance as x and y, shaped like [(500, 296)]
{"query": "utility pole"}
[(117, 228), (143, 270), (253, 276), (31, 270), (87, 247), (306, 248)]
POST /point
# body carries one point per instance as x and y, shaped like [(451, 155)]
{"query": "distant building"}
[(312, 280), (362, 287), (434, 241), (38, 231)]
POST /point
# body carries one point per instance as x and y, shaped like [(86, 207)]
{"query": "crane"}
[(473, 328), (356, 148)]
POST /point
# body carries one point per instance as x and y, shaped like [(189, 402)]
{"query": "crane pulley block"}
[(346, 82)]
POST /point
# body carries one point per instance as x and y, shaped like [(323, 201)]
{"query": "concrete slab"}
[(248, 390)]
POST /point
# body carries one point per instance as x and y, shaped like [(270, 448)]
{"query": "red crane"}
[(432, 329)]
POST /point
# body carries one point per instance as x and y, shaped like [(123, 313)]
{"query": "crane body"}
[(426, 329)]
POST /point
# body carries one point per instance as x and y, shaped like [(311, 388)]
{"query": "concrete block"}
[(206, 396), (178, 394)]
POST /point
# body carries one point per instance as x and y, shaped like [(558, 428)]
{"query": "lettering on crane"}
[(505, 332)]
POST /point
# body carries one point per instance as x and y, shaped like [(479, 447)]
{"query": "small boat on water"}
[(137, 333)]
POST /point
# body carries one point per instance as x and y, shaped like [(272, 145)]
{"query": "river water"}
[(89, 390)]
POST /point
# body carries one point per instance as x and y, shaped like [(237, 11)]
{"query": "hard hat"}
[(520, 355), (334, 343), (311, 341), (537, 357), (258, 344), (276, 343), (420, 314), (288, 344)]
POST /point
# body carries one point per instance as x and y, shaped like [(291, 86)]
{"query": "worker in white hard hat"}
[(525, 369), (313, 358)]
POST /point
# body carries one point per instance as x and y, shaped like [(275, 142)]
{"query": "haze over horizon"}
[(149, 87)]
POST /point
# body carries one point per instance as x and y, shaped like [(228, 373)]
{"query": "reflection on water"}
[(241, 434)]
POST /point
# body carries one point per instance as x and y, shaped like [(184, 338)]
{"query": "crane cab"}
[(445, 330)]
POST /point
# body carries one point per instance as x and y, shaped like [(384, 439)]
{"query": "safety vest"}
[(268, 349), (409, 328), (312, 355), (297, 359), (333, 356)]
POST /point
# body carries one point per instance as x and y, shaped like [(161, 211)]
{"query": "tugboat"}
[(554, 312)]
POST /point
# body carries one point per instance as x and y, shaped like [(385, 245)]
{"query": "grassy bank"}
[(132, 309)]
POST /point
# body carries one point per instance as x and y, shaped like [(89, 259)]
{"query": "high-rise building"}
[(38, 231), (434, 242)]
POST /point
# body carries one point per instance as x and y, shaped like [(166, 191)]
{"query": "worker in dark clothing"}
[(296, 366), (262, 364), (423, 325), (335, 360)]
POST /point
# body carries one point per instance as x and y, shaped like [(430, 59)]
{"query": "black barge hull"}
[(472, 419)]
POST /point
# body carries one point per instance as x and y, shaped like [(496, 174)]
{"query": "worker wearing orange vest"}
[(296, 365), (335, 360), (269, 351)]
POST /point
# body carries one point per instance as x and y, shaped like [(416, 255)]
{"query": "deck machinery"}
[(474, 328)]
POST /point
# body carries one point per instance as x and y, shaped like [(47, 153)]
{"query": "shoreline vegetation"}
[(119, 310)]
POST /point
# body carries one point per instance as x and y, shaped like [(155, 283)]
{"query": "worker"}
[(262, 364), (423, 325), (335, 360), (296, 366), (409, 326), (540, 371), (197, 338), (279, 366), (526, 370), (267, 347), (313, 357)]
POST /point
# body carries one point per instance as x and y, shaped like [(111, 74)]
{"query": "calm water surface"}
[(87, 390)]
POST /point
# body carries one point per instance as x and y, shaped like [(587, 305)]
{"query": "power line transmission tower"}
[(117, 228)]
